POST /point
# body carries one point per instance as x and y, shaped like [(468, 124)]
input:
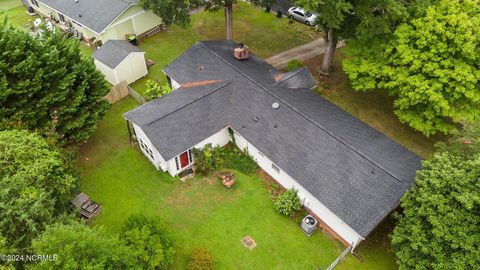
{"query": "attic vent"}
[(275, 106), (241, 52)]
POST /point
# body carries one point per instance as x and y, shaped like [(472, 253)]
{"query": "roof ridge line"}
[(222, 85), (299, 113)]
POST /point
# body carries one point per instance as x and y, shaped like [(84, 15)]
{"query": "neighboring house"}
[(347, 174), (120, 61), (100, 19)]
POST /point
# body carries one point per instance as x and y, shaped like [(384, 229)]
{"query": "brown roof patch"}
[(192, 84), (279, 77)]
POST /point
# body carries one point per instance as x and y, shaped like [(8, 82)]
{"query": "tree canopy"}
[(149, 241), (80, 247), (171, 11), (35, 186), (46, 83), (431, 65), (440, 224)]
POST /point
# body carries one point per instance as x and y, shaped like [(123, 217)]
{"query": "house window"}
[(146, 149), (275, 168), (34, 2), (176, 163), (61, 17), (190, 156)]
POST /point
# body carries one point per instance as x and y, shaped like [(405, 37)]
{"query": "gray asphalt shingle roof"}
[(94, 14), (113, 52), (297, 78), (354, 170)]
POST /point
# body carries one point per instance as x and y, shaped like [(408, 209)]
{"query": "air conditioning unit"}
[(309, 224)]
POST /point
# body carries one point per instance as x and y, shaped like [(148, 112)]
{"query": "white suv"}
[(301, 15)]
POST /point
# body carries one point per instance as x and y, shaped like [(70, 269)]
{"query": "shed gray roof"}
[(354, 170), (113, 52), (94, 14)]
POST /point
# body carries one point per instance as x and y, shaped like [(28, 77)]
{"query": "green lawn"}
[(15, 13), (198, 212), (265, 34), (9, 4)]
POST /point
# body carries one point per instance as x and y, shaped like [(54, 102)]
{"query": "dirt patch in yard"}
[(248, 242)]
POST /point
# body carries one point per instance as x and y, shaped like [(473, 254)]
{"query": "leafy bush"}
[(240, 161), (149, 242), (212, 158), (288, 202), (293, 64), (201, 259), (155, 90), (204, 159)]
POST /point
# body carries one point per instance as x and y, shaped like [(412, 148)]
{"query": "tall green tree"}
[(35, 186), (349, 20), (335, 20), (78, 246), (227, 5), (47, 83), (431, 65), (439, 227), (171, 11)]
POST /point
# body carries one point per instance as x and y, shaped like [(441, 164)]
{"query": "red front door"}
[(184, 160)]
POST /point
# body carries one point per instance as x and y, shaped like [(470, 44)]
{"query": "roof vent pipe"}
[(275, 106)]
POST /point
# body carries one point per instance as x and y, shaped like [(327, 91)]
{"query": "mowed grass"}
[(15, 13), (265, 34), (200, 212), (374, 108), (9, 4)]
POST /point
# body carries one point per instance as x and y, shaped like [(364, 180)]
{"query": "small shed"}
[(120, 61)]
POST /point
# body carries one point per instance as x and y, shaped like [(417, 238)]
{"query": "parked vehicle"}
[(299, 14)]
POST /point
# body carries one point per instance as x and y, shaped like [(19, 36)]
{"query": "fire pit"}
[(228, 179)]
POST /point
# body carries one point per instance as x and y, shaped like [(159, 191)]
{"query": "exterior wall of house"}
[(132, 68), (158, 161), (145, 22), (220, 138), (107, 72), (308, 200), (334, 224), (134, 20), (175, 85)]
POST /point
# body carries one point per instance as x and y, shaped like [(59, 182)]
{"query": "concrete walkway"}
[(302, 53)]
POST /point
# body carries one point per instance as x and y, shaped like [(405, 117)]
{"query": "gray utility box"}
[(309, 224)]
